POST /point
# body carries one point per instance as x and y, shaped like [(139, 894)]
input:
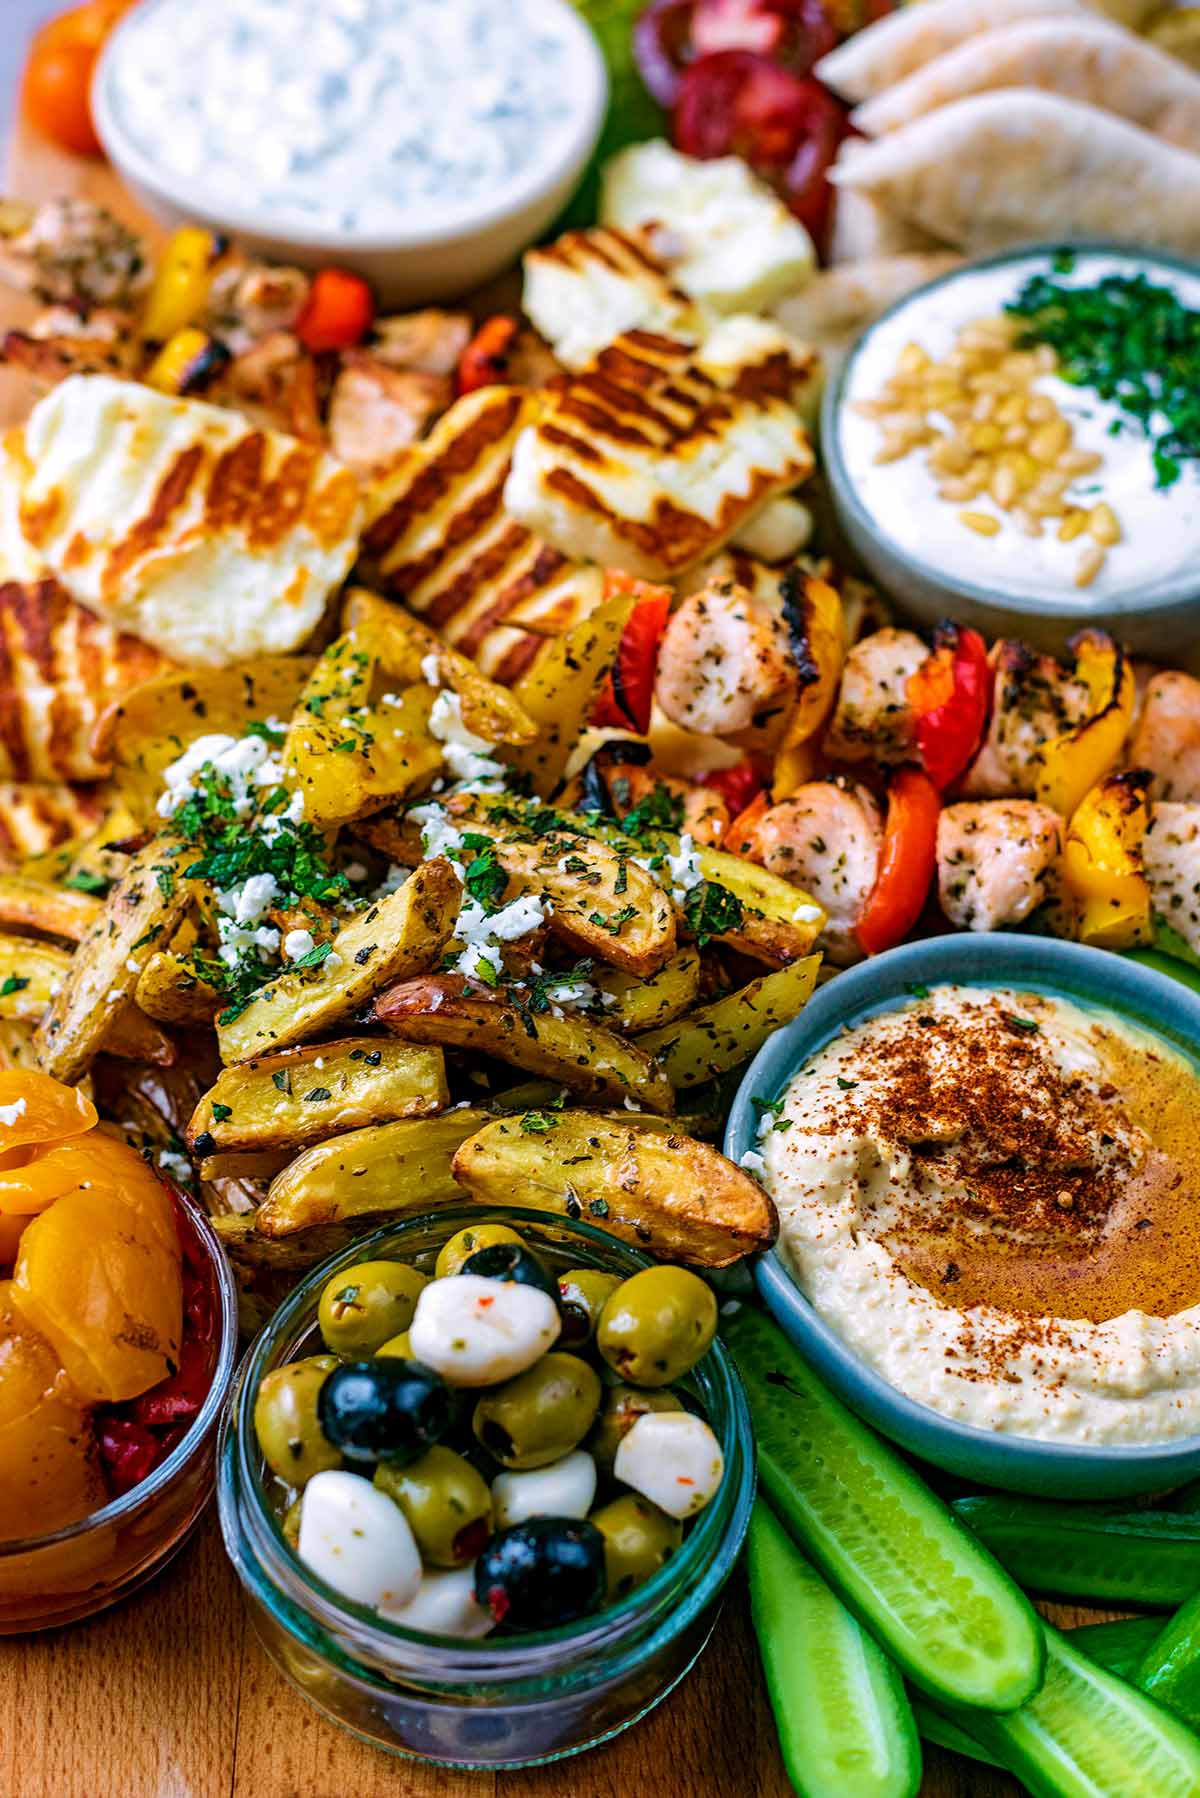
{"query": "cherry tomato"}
[(484, 362), (58, 75), (662, 46), (671, 34), (338, 313)]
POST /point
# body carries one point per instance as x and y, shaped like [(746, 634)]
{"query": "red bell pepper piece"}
[(738, 786), (484, 362), (338, 313), (625, 699), (951, 694), (128, 1450), (906, 863)]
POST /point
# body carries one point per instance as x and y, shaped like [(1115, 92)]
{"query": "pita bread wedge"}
[(884, 53), (1019, 166), (862, 231), (1081, 59), (838, 304)]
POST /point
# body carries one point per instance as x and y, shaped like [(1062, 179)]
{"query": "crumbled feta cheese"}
[(249, 902), (807, 914), (114, 995), (438, 835), (270, 826), (244, 762), (297, 943), (319, 1061), (132, 965), (238, 939), (395, 877), (355, 871), (753, 1162), (178, 1166), (431, 669), (572, 995), (481, 933), (10, 1113), (332, 962), (684, 869), (390, 699), (467, 756)]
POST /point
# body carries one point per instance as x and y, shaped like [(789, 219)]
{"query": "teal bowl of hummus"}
[(985, 1158)]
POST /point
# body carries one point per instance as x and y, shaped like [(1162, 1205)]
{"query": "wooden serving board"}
[(170, 1696)]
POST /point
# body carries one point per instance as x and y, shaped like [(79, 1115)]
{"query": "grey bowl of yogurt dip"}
[(974, 480), (421, 143)]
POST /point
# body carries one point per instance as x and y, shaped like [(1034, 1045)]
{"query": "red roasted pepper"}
[(951, 693), (625, 699), (484, 362), (738, 786), (907, 862), (338, 313)]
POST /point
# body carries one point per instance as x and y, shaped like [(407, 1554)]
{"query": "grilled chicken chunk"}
[(375, 411), (724, 663), (991, 857), (72, 252), (1166, 739), (1034, 699), (874, 721), (825, 838), (1171, 857)]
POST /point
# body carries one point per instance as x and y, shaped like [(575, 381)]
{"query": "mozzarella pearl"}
[(564, 1489), (477, 1332), (673, 1459), (356, 1540), (445, 1605)]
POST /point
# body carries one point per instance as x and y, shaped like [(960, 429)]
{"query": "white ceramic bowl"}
[(433, 262)]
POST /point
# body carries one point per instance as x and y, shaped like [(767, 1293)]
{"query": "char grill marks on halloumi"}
[(653, 457), (438, 537), (36, 816), (61, 667), (178, 522), (590, 287)]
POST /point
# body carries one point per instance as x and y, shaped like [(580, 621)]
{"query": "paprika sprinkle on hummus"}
[(995, 1198)]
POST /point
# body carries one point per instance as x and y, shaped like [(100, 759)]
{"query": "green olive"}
[(367, 1304), (291, 1524), (638, 1540), (657, 1325), (622, 1407), (285, 1420), (446, 1502), (461, 1247), (542, 1414), (397, 1345), (585, 1291)]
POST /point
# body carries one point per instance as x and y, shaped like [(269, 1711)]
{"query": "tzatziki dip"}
[(359, 119), (973, 456)]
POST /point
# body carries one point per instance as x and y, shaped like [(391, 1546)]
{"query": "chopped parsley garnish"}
[(1022, 1026), (233, 849), (84, 881), (659, 810), (617, 922), (12, 984), (598, 1207), (712, 910), (536, 1123), (279, 1080), (221, 1112), (485, 879), (268, 732), (847, 1086), (918, 991), (1134, 343), (318, 1093), (164, 875), (762, 1106), (315, 956)]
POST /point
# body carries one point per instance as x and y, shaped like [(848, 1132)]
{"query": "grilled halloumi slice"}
[(590, 287), (657, 454), (178, 522), (438, 537), (725, 238), (38, 816), (61, 667)]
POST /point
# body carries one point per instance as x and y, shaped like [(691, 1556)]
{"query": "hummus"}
[(994, 1198)]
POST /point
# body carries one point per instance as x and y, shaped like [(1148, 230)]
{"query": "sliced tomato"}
[(951, 693), (625, 700), (907, 862), (671, 34), (484, 362), (339, 312), (738, 785)]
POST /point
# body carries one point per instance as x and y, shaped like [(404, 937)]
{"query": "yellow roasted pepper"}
[(187, 363), (813, 610), (1102, 862), (179, 292), (1071, 764)]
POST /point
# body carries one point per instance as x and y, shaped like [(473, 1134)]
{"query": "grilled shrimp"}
[(249, 300), (724, 663), (991, 858), (1166, 739), (375, 411), (1171, 858), (1034, 699), (874, 721), (825, 838)]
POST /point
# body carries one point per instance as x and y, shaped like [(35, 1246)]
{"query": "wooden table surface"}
[(170, 1696)]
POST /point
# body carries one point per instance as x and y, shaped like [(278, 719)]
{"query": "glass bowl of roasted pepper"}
[(118, 1337)]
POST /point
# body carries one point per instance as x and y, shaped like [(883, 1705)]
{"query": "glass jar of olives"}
[(508, 1698)]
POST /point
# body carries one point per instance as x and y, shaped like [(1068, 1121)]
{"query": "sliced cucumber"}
[(934, 1727), (1118, 1647), (1085, 1551), (1169, 1670), (845, 1727), (936, 1600), (1089, 1735)]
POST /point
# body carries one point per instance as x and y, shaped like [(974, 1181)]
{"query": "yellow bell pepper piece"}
[(1071, 764), (187, 362), (1102, 863), (814, 613), (180, 289)]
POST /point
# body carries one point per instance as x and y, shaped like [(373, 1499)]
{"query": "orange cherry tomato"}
[(34, 1108), (49, 1469), (338, 313), (58, 75)]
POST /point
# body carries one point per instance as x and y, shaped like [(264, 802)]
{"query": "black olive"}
[(538, 1574), (512, 1264), (388, 1410)]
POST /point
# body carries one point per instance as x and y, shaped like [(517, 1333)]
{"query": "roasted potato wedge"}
[(779, 923), (348, 755), (658, 1189), (30, 975), (256, 1166), (50, 910), (558, 691), (304, 1095), (16, 1044), (142, 908), (728, 1032), (382, 1170), (152, 727), (393, 939), (404, 645), (132, 1036), (170, 990), (445, 1008), (631, 1003)]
